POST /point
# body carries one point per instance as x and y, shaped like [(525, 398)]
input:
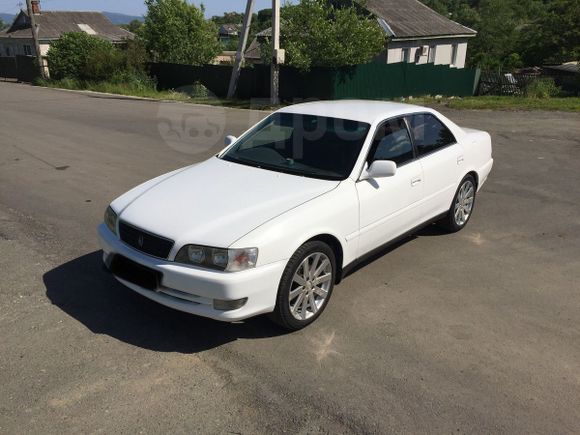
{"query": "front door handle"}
[(415, 181)]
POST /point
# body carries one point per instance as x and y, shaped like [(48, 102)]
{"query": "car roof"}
[(357, 110)]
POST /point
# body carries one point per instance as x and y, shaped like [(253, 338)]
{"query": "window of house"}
[(392, 142), (432, 53), (453, 54), (429, 134), (405, 54), (7, 51), (27, 50)]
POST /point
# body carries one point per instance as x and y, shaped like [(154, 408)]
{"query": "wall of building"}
[(16, 47), (439, 51)]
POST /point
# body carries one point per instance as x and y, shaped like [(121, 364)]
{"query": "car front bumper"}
[(194, 290)]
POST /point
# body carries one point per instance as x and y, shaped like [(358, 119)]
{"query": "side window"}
[(429, 134), (392, 142)]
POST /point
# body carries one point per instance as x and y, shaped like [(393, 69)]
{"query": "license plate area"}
[(135, 273)]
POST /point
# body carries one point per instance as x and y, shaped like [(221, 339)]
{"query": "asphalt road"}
[(476, 332)]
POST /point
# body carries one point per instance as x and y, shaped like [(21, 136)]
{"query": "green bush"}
[(135, 55), (80, 56), (542, 88), (101, 63)]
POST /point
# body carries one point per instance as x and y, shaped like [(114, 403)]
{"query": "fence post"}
[(476, 79)]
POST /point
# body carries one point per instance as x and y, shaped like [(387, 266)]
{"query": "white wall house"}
[(418, 34), (17, 39), (444, 51)]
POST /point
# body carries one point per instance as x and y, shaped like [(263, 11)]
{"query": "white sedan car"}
[(275, 220)]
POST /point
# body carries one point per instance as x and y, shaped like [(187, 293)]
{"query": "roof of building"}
[(52, 24), (254, 51), (356, 110), (567, 68), (412, 19), (229, 29)]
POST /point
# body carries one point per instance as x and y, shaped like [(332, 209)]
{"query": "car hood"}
[(216, 202)]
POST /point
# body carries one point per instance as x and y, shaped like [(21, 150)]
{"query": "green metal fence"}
[(369, 81)]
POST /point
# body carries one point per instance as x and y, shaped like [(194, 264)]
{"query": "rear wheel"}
[(462, 206), (306, 286)]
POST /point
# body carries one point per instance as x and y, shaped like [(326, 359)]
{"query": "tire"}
[(462, 206), (299, 291)]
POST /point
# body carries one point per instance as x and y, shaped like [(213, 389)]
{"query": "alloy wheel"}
[(310, 286), (464, 203)]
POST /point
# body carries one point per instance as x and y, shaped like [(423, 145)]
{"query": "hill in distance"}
[(7, 18)]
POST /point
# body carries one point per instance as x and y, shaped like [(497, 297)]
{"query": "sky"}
[(130, 7)]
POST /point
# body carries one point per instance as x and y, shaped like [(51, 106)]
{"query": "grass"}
[(568, 104), (128, 89), (146, 90)]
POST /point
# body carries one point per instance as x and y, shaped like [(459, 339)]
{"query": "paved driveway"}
[(473, 332)]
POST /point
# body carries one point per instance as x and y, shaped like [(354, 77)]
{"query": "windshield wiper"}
[(268, 167)]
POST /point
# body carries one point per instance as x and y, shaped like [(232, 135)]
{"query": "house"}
[(228, 32), (17, 39), (253, 54), (416, 34)]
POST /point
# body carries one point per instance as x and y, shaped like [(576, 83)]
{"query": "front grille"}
[(143, 241)]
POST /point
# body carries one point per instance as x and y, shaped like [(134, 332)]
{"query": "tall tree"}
[(177, 32), (316, 33), (555, 37), (3, 25)]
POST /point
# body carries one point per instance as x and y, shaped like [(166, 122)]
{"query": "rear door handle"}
[(459, 160), (415, 181)]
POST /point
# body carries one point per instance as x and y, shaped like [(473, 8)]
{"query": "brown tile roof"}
[(52, 24), (411, 18)]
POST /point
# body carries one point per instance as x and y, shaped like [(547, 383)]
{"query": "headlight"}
[(229, 260), (111, 220)]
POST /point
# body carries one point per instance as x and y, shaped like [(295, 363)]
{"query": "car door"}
[(441, 158), (389, 205)]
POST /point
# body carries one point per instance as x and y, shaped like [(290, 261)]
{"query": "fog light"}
[(222, 305)]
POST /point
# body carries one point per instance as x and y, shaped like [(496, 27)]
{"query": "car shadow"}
[(428, 231), (83, 289)]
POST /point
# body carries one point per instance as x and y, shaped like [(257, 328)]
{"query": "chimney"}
[(35, 7)]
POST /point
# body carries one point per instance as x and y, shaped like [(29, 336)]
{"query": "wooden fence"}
[(20, 68)]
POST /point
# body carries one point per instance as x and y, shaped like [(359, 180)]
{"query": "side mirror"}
[(380, 169), (229, 139)]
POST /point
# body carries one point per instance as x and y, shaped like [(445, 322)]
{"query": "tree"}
[(555, 37), (78, 55), (318, 33), (175, 31), (3, 25), (134, 26), (228, 18), (497, 37)]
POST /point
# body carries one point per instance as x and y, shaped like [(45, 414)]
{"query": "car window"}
[(429, 134), (270, 134), (305, 145), (392, 142)]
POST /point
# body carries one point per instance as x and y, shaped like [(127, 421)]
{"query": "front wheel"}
[(462, 206), (306, 286)]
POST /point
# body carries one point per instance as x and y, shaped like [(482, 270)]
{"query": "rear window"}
[(429, 134)]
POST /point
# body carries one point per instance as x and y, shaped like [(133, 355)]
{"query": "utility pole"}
[(34, 29), (277, 54), (241, 49)]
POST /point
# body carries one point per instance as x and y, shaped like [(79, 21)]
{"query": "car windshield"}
[(305, 145)]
